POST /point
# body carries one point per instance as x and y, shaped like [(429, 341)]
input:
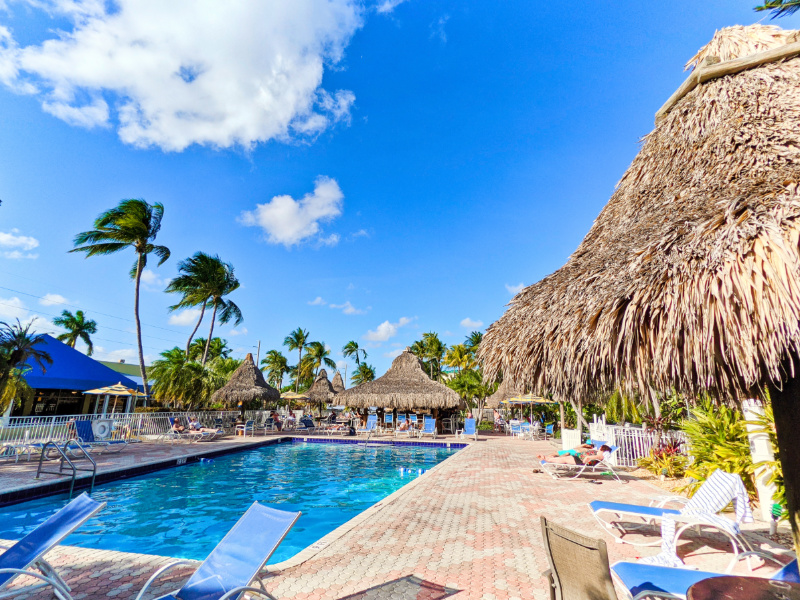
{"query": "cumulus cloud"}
[(437, 28), (129, 355), (240, 331), (386, 330), (515, 289), (318, 301), (349, 309), (13, 308), (20, 245), (289, 222), (185, 317), (394, 353), (388, 6), (152, 281), (470, 324), (172, 74), (52, 300)]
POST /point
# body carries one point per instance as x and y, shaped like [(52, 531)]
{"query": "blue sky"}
[(372, 170)]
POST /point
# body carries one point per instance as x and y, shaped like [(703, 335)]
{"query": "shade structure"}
[(321, 390), (245, 385), (338, 383), (690, 276), (526, 399), (115, 390), (293, 396), (505, 390), (404, 386)]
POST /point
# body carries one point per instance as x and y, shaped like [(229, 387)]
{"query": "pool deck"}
[(469, 527)]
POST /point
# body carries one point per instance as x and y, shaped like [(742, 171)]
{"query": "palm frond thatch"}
[(404, 386), (690, 276), (338, 383), (505, 390), (321, 390), (245, 385)]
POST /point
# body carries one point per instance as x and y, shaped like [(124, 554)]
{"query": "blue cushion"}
[(639, 578), (788, 573), (636, 509)]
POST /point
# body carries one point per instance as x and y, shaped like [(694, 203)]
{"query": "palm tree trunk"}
[(297, 375), (139, 328), (196, 327), (210, 333)]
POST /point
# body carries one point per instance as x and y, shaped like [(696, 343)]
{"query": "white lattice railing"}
[(634, 442)]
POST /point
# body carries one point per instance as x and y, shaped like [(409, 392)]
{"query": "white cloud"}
[(188, 316), (20, 244), (13, 308), (288, 221), (331, 240), (394, 353), (52, 300), (358, 234), (388, 6), (349, 309), (129, 355), (437, 28), (152, 281), (386, 330), (515, 289), (241, 331), (318, 301), (470, 324), (172, 74)]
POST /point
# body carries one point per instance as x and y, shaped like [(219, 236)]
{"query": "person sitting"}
[(177, 427), (194, 424), (276, 420), (403, 425), (584, 454)]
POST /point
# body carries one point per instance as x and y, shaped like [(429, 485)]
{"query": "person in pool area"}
[(584, 454), (194, 424), (276, 419), (403, 425), (177, 427)]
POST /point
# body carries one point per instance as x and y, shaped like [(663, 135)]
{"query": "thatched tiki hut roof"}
[(245, 385), (404, 386), (321, 390), (504, 391), (690, 276), (338, 383)]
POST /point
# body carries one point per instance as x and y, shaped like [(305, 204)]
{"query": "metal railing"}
[(634, 442)]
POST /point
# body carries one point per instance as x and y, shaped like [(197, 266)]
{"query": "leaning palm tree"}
[(133, 223), (297, 340), (363, 374), (18, 346), (78, 327), (276, 364), (473, 340), (223, 283), (351, 349), (318, 355)]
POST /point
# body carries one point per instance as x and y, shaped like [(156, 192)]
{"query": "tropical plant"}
[(133, 223), (472, 342), (218, 347), (317, 354), (351, 349), (717, 437), (459, 357), (363, 374), (188, 382), (297, 340), (78, 327), (430, 350), (470, 386), (621, 408), (223, 283), (18, 346), (275, 364), (666, 459), (17, 390), (779, 8)]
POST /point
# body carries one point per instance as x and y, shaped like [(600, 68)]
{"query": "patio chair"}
[(643, 581), (578, 565), (592, 467), (388, 421), (306, 425), (469, 429), (87, 440), (28, 553), (248, 427), (233, 566), (548, 430), (716, 493), (515, 429), (414, 421), (428, 428), (372, 425)]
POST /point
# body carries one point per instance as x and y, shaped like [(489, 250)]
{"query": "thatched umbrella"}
[(245, 385), (505, 390), (690, 276), (404, 386), (321, 391), (338, 383)]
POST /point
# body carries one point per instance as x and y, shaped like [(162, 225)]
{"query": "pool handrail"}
[(235, 562), (30, 550)]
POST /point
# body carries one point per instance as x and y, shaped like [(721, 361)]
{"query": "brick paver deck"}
[(469, 528)]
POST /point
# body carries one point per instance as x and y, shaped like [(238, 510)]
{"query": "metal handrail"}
[(62, 451)]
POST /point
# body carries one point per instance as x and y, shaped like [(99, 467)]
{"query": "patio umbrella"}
[(528, 400), (117, 390)]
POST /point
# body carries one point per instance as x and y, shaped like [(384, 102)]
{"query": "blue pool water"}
[(184, 511)]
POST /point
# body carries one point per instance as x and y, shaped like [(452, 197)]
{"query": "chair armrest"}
[(56, 585), (551, 583), (160, 572)]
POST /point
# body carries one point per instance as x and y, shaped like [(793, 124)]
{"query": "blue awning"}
[(71, 370)]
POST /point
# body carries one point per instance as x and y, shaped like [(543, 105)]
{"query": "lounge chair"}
[(643, 581), (469, 429), (428, 428), (716, 493), (591, 467), (578, 565), (87, 440), (371, 427), (388, 422), (414, 421), (248, 427), (306, 425), (28, 553), (233, 566)]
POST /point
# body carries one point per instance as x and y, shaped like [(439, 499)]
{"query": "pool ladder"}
[(62, 452)]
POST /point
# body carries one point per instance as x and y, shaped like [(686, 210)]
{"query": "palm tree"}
[(297, 340), (222, 283), (434, 352), (18, 345), (216, 348), (351, 349), (780, 8), (363, 374), (276, 364), (459, 357), (472, 342), (318, 355), (133, 223), (77, 326)]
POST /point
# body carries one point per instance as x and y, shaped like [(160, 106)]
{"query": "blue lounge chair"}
[(599, 467), (234, 564), (548, 430), (388, 421), (28, 553), (372, 425), (428, 428), (469, 429), (306, 425), (87, 440), (414, 420), (643, 581)]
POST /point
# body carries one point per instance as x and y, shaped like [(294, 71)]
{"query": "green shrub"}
[(665, 460), (486, 426)]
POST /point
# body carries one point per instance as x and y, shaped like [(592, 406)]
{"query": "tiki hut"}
[(404, 386), (245, 385), (504, 391), (321, 391), (338, 383), (690, 276)]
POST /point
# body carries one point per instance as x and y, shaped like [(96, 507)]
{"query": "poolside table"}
[(730, 587)]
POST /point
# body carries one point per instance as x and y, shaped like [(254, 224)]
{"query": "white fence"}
[(634, 442), (145, 426)]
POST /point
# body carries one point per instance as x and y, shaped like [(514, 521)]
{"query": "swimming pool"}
[(184, 511)]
